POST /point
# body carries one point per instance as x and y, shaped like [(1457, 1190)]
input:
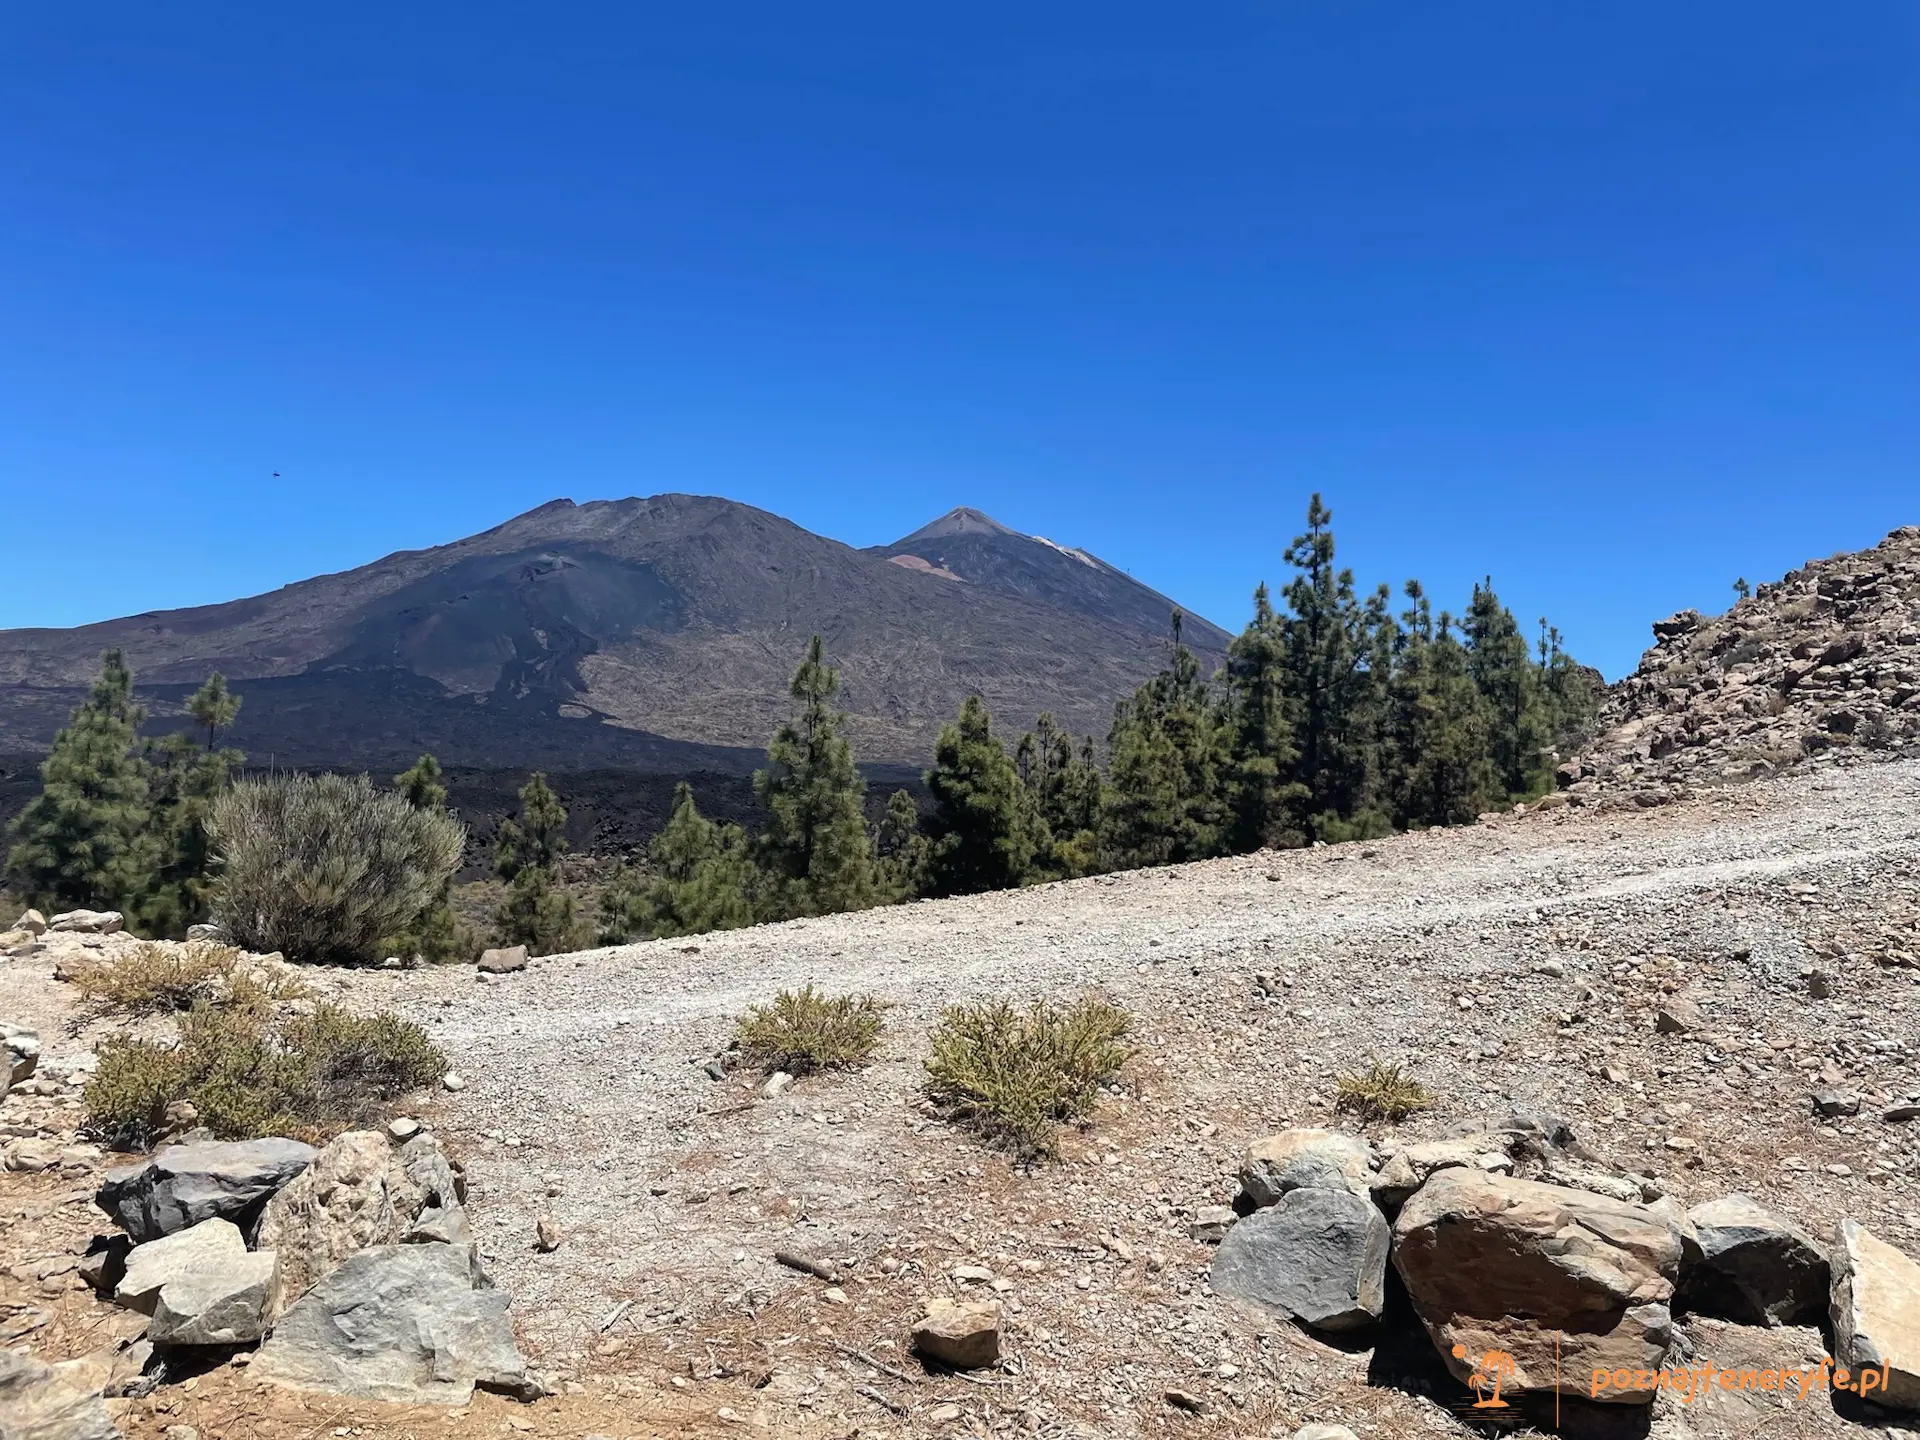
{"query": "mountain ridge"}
[(624, 630)]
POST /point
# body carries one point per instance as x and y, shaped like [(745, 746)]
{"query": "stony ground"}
[(1520, 962)]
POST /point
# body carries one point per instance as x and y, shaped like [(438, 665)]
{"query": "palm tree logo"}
[(1489, 1373)]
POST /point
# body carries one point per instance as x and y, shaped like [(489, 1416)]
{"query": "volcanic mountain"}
[(656, 634)]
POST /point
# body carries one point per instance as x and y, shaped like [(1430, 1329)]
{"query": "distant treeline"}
[(1335, 717)]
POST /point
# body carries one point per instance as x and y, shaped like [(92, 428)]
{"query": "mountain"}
[(656, 634), (968, 547)]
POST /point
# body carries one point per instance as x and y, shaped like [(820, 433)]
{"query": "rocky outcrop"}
[(411, 1324), (1318, 1255), (361, 1191), (183, 1185), (1753, 1266), (1564, 1282), (1876, 1312), (1825, 661)]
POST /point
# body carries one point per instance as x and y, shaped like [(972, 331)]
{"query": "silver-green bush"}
[(321, 867)]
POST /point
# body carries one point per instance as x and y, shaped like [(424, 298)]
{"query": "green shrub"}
[(157, 979), (1382, 1092), (807, 1030), (248, 1074), (1018, 1075), (322, 867)]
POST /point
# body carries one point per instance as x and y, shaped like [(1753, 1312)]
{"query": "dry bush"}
[(156, 978), (1018, 1075), (323, 867), (249, 1074), (807, 1030), (1382, 1092)]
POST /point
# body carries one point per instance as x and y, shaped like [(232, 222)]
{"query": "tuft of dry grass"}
[(247, 1073), (1382, 1092), (1018, 1075), (806, 1030), (156, 978)]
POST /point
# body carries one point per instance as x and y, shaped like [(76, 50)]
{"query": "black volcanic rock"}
[(648, 634)]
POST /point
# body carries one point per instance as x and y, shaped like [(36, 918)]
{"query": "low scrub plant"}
[(158, 978), (323, 867), (249, 1073), (1018, 1075), (806, 1030), (1382, 1092)]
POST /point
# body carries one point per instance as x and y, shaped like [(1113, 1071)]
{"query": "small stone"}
[(777, 1084), (503, 961), (972, 1274), (1819, 985), (1211, 1223), (834, 1295), (1678, 1016), (1831, 1103), (453, 1081), (1324, 1432), (1182, 1400), (403, 1128), (546, 1235), (966, 1337), (181, 1432), (944, 1414)]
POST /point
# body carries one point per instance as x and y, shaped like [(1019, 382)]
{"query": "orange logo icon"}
[(1490, 1371)]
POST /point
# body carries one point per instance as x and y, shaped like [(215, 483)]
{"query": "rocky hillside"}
[(1824, 662), (655, 634)]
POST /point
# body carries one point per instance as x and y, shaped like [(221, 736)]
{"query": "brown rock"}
[(966, 1337), (1497, 1264), (1876, 1313), (503, 961), (1305, 1159)]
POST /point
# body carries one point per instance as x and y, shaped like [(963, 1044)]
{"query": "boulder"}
[(87, 922), (208, 1247), (409, 1324), (1753, 1267), (33, 922), (1305, 1159), (965, 1336), (1405, 1171), (503, 961), (1833, 1104), (1876, 1313), (1318, 1255), (202, 1286), (51, 1402), (183, 1185), (360, 1191), (1495, 1264), (214, 934)]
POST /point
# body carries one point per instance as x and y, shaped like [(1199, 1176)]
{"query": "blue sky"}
[(1613, 302)]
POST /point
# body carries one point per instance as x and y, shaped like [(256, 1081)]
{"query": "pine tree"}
[(183, 781), (984, 830), (1741, 589), (537, 910), (1065, 791), (1328, 684), (814, 848), (1504, 674), (902, 850), (703, 877), (1166, 753), (83, 840), (1264, 800), (1443, 773), (437, 936)]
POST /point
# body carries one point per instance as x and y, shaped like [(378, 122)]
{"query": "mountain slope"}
[(655, 632), (975, 549)]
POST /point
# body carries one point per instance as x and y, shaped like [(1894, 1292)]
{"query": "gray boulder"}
[(1319, 1255), (50, 1402), (183, 1185), (87, 922), (1753, 1266), (202, 1286), (410, 1324), (1305, 1159)]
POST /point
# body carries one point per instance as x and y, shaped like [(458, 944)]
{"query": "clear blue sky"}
[(1612, 301)]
